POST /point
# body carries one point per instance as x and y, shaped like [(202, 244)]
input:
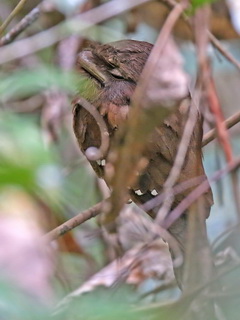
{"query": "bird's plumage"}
[(113, 71)]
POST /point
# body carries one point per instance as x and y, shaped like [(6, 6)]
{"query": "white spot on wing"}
[(138, 192), (154, 192), (101, 162)]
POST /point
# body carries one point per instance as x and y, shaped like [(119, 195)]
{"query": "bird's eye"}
[(128, 100), (116, 73)]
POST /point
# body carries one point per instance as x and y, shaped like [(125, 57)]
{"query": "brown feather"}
[(114, 70)]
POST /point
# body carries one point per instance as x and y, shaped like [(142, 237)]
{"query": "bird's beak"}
[(87, 62)]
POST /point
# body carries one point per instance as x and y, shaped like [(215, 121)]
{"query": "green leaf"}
[(195, 4), (199, 3), (101, 304), (28, 82), (16, 305)]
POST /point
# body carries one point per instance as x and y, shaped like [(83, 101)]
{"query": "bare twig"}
[(179, 188), (216, 110), (93, 153), (157, 51), (222, 132), (197, 192), (127, 157), (212, 134), (171, 218), (75, 221), (179, 306), (74, 25), (55, 107), (215, 42), (198, 261), (178, 162), (223, 235), (155, 229), (20, 27), (13, 14)]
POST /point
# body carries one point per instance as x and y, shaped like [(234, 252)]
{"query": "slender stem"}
[(215, 42), (230, 122), (12, 15), (74, 222), (20, 26), (76, 25)]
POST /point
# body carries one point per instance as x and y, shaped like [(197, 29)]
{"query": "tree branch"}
[(13, 14), (178, 161), (75, 221), (197, 192), (141, 121), (75, 25), (21, 26), (212, 134), (215, 42)]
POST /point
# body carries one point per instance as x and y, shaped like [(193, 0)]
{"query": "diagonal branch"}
[(76, 25), (13, 14), (229, 123), (75, 221), (21, 26), (178, 162), (197, 192), (215, 42), (142, 119), (93, 153)]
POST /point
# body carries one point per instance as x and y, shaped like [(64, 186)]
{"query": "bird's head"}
[(112, 70)]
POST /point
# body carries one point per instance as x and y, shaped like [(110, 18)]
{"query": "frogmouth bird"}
[(113, 71)]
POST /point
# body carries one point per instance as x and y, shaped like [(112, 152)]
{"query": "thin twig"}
[(75, 221), (197, 192), (21, 26), (215, 42), (223, 234), (186, 299), (222, 132), (179, 188), (12, 15), (212, 134), (156, 52), (172, 217), (178, 162), (75, 25), (139, 126), (198, 260), (215, 108), (93, 153)]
